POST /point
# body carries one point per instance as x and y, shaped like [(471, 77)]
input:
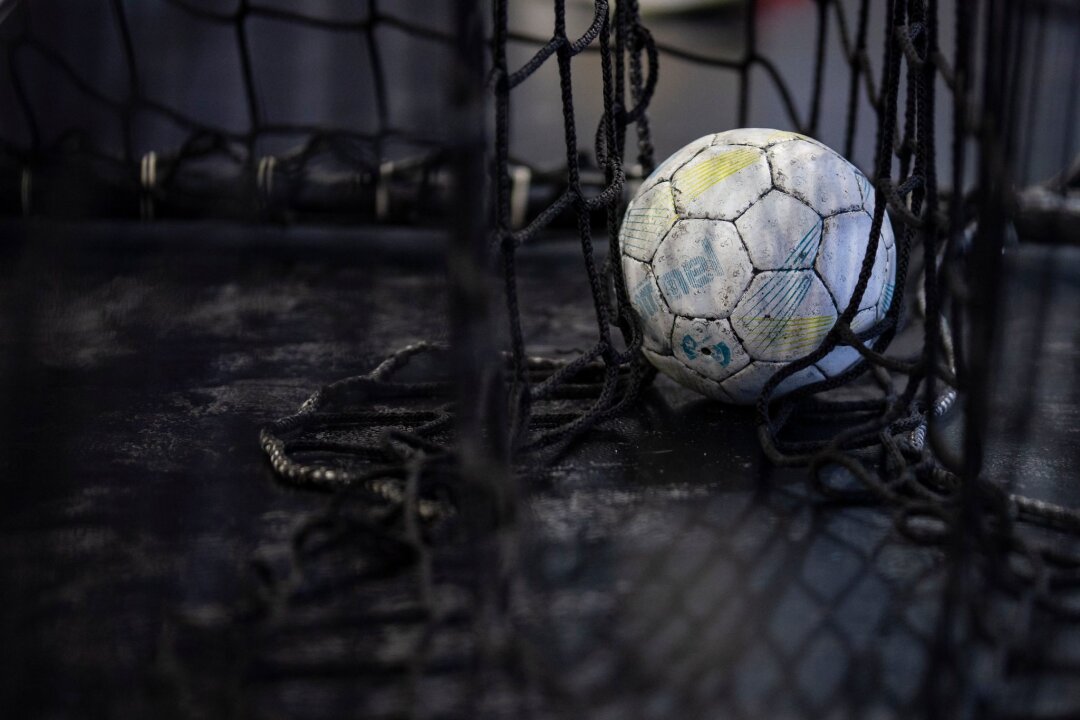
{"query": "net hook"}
[(265, 178), (520, 178), (147, 183)]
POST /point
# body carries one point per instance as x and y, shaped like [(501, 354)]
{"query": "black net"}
[(421, 589)]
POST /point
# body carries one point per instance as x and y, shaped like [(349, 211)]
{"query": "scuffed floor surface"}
[(661, 570)]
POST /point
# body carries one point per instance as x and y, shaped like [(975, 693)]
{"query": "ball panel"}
[(780, 232), (784, 315), (646, 222), (816, 175), (870, 203), (837, 361), (887, 294), (878, 277), (840, 259), (758, 137), (889, 289), (866, 190), (702, 268), (686, 377), (656, 319), (886, 231), (666, 169), (744, 386), (709, 347), (864, 320), (721, 182)]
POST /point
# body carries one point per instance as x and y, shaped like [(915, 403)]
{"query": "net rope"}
[(402, 516), (892, 447)]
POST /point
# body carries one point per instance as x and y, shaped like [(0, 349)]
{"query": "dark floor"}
[(663, 572)]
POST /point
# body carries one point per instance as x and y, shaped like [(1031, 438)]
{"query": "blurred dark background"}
[(78, 74)]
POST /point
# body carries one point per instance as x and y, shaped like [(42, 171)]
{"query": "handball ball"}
[(739, 253)]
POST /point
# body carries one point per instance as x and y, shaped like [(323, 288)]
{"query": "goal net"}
[(500, 127)]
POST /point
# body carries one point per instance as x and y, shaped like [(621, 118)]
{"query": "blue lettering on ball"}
[(719, 352), (689, 347), (673, 283), (697, 272), (723, 354), (710, 257), (645, 298)]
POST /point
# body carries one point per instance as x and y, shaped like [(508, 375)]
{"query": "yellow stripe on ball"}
[(695, 181)]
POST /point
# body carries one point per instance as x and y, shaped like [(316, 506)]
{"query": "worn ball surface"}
[(740, 251)]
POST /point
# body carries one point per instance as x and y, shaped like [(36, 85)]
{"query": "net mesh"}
[(410, 594)]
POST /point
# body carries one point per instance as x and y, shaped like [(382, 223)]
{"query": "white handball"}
[(739, 253)]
